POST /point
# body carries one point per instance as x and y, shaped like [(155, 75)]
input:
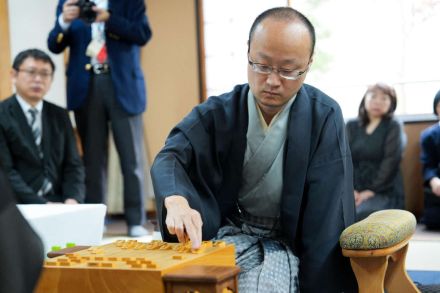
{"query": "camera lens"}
[(86, 12)]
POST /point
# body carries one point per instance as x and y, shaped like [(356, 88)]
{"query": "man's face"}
[(284, 46), (32, 80)]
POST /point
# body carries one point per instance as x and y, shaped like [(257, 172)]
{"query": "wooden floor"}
[(424, 250)]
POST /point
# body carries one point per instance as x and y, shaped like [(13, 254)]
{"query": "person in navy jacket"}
[(106, 90), (430, 157)]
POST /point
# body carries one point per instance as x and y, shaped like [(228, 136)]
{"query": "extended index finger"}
[(194, 233)]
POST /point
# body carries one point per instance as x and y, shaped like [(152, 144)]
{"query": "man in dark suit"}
[(21, 250), (37, 144), (105, 84)]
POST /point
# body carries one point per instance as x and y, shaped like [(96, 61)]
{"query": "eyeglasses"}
[(289, 74), (32, 73)]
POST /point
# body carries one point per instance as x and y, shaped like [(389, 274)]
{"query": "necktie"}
[(36, 132), (102, 55)]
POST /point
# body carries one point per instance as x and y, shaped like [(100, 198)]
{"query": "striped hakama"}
[(266, 264)]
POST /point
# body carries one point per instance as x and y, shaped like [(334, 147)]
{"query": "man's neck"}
[(32, 103), (269, 116)]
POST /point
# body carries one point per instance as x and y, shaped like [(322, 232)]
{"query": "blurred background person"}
[(37, 144), (376, 144), (106, 88), (21, 250), (430, 157)]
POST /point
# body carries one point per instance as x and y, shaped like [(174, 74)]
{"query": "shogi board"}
[(127, 266)]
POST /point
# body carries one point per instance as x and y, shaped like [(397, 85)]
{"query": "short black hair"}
[(36, 54), (436, 101), (287, 14)]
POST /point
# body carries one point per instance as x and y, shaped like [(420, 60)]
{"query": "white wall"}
[(30, 22)]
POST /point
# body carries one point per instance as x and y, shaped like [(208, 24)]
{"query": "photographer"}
[(105, 87)]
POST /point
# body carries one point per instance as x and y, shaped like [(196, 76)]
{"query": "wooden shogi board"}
[(127, 266)]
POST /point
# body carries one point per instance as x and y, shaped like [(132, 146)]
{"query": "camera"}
[(86, 12)]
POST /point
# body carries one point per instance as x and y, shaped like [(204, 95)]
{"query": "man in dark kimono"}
[(265, 167)]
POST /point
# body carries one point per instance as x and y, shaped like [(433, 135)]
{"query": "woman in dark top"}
[(376, 145), (430, 157)]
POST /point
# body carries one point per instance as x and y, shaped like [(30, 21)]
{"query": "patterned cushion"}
[(381, 229)]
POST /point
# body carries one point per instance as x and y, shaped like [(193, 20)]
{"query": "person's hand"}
[(363, 196), (183, 221), (71, 201), (435, 185), (70, 11), (356, 197), (102, 15)]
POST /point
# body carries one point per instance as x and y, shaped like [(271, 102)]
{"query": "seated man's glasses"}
[(289, 74), (32, 73)]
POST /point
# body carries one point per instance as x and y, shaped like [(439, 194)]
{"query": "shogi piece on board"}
[(127, 266)]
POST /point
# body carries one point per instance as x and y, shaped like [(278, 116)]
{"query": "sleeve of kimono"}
[(174, 173), (327, 209), (391, 160)]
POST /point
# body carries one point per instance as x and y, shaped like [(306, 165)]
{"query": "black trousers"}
[(100, 112)]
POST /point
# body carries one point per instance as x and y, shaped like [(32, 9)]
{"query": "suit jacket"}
[(430, 155), (126, 31), (19, 154), (21, 250), (203, 161)]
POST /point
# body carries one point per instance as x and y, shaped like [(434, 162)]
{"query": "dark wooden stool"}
[(202, 279)]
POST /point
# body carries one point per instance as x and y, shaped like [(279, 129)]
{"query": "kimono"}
[(202, 160)]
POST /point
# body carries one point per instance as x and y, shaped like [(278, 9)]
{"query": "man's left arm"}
[(327, 209), (73, 186), (135, 29)]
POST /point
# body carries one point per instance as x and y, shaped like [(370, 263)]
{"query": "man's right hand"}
[(70, 11), (183, 221)]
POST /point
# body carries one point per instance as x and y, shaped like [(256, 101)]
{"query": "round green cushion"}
[(381, 229)]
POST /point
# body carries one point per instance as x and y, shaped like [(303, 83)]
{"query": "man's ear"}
[(13, 74)]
